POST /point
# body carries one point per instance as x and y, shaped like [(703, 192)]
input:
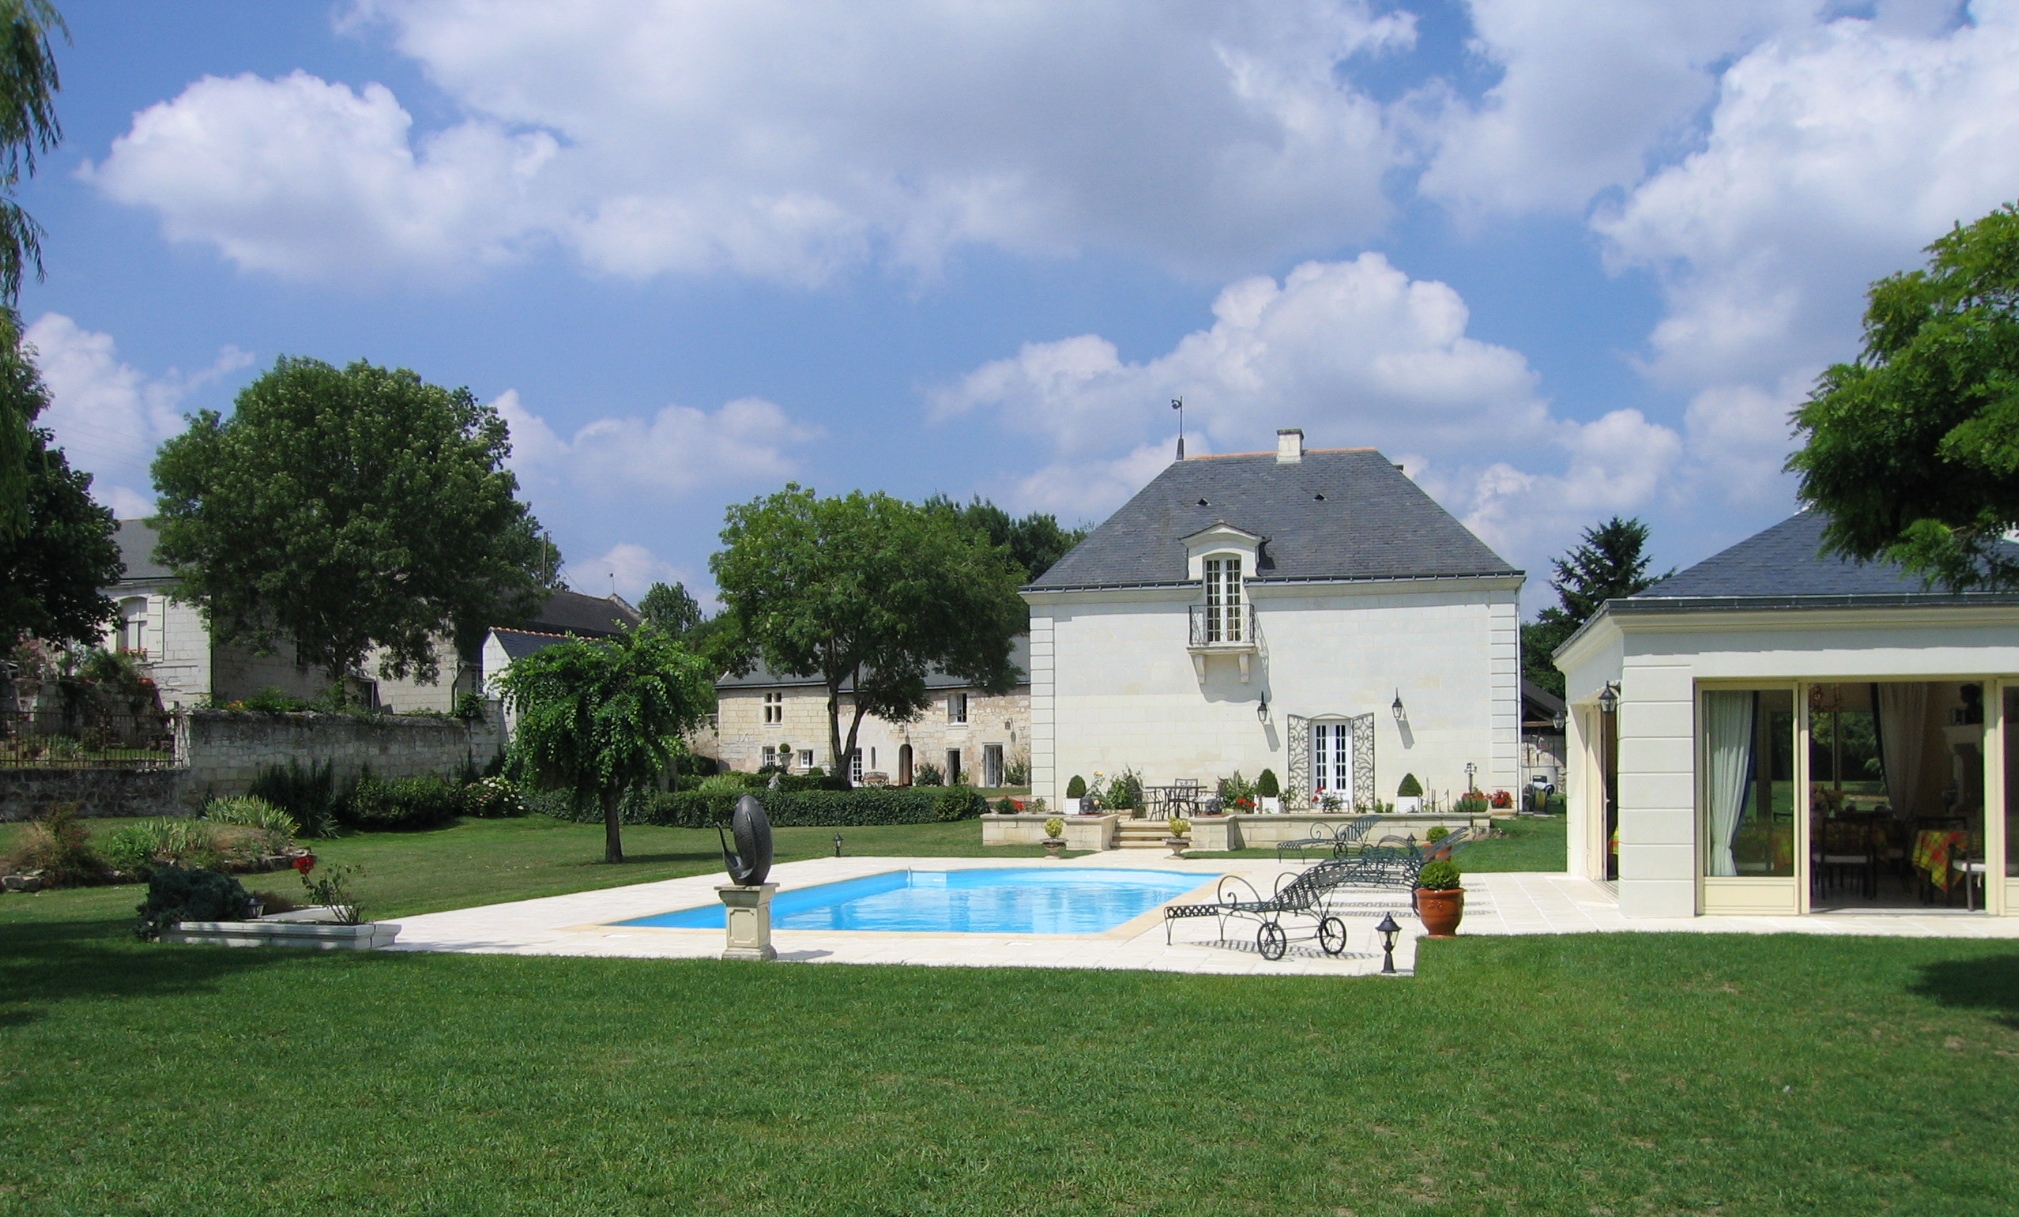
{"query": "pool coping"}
[(581, 924)]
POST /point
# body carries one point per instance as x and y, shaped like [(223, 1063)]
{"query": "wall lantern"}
[(1401, 715), (1262, 708), (1558, 722), (1388, 930), (1608, 697)]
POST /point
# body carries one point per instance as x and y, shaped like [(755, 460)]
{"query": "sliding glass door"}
[(1748, 804)]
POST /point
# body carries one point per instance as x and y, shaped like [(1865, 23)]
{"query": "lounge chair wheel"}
[(1332, 935), (1271, 941)]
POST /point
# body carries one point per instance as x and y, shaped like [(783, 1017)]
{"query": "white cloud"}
[(667, 457), (789, 142), (628, 569), (1832, 157), (1620, 463), (1587, 94), (107, 415), (1355, 352), (314, 180)]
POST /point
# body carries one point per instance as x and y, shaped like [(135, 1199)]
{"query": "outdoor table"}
[(1932, 849)]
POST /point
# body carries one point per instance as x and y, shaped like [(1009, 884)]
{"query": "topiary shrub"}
[(177, 893), (1266, 786), (1077, 788), (402, 803), (1410, 788), (1055, 827), (1437, 834), (1439, 876)]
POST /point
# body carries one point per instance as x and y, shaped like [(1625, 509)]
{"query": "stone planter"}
[(1408, 804), (266, 932), (1440, 910), (1177, 846), (1054, 846), (1091, 832), (1069, 807), (1272, 805)]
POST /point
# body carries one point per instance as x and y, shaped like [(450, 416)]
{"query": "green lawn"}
[(1530, 843), (1621, 1074)]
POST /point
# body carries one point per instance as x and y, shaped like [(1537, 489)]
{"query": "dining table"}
[(1933, 848)]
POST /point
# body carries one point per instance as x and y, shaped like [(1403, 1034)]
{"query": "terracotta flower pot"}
[(1440, 911)]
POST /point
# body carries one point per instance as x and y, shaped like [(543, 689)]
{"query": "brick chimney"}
[(1289, 445)]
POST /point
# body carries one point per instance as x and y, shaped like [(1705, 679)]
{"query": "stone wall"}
[(220, 753)]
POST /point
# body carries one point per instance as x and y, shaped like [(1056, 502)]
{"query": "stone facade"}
[(994, 736)]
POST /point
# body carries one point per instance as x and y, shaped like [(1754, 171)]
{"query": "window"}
[(953, 766), (770, 757), (1749, 782), (1223, 600), (133, 625), (956, 707), (855, 767), (774, 707), (991, 765), (1332, 760), (806, 758)]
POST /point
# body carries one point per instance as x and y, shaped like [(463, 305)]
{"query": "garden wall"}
[(220, 752)]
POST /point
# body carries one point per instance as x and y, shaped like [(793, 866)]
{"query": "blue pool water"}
[(1020, 900)]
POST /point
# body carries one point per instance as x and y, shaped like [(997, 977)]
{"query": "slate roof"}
[(1784, 565), (760, 677), (1338, 514), (569, 612), (520, 643), (136, 540)]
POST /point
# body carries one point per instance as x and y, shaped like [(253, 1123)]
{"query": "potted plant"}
[(1075, 791), (1055, 836), (1178, 841), (1440, 898), (1409, 795), (1270, 792), (1471, 803)]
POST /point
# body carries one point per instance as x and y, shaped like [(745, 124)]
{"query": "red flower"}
[(305, 863), (1017, 803)]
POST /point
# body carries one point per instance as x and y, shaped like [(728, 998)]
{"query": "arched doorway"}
[(904, 765)]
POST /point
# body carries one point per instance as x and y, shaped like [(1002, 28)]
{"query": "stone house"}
[(1313, 612), (968, 735), (176, 650)]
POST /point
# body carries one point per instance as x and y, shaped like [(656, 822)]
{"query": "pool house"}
[(1776, 732)]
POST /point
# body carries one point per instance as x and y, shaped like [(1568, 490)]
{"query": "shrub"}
[(1437, 834), (1234, 789), (248, 811), (312, 795), (1016, 771), (177, 893), (1125, 792), (1502, 799), (1266, 786), (1005, 806), (59, 847), (402, 803), (731, 783), (1038, 806), (1471, 804), (959, 803), (1055, 827), (927, 774), (493, 799), (270, 700), (1178, 825), (1077, 788), (1410, 788), (785, 808), (1439, 876)]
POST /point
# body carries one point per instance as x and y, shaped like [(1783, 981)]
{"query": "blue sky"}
[(1562, 261)]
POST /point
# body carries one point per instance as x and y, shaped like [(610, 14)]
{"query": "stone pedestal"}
[(747, 918)]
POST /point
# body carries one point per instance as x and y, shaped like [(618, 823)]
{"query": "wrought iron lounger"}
[(1334, 838)]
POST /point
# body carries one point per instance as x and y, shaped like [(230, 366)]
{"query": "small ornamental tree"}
[(1410, 788), (1266, 786), (1077, 788), (598, 718), (1439, 876)]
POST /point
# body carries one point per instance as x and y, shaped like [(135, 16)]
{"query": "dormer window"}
[(1223, 600)]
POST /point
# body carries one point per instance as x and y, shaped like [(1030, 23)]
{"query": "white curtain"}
[(1728, 722), (1903, 738)]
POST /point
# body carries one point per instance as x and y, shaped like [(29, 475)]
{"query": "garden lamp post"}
[(1388, 930), (837, 845), (1470, 769)]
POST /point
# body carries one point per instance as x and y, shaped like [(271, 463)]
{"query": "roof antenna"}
[(1178, 404)]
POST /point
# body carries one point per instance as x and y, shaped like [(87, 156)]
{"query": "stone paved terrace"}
[(579, 924)]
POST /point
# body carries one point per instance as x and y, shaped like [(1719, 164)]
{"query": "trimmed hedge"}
[(403, 803), (791, 808)]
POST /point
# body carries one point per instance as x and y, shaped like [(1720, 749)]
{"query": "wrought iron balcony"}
[(1228, 626)]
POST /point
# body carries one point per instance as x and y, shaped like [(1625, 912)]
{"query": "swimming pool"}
[(982, 900)]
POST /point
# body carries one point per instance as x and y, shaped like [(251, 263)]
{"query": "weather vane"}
[(1178, 404)]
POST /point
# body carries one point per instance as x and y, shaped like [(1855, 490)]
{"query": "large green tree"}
[(338, 510), (1034, 542), (53, 569), (1912, 448), (868, 591), (597, 718), (1609, 561), (28, 126), (671, 607)]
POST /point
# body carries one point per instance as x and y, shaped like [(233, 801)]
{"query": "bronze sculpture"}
[(751, 860)]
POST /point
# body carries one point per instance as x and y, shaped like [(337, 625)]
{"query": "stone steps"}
[(1141, 834)]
